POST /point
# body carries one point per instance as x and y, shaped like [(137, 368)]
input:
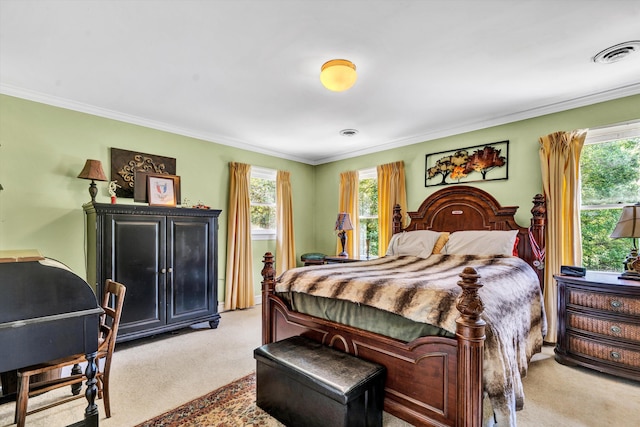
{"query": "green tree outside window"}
[(263, 204), (368, 215), (610, 179)]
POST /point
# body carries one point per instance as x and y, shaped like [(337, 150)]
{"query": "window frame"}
[(367, 173), (603, 135), (271, 175), (609, 134)]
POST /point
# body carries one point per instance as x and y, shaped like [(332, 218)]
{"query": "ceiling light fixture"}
[(617, 52), (338, 75)]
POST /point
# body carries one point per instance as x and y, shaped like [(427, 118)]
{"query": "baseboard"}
[(257, 299)]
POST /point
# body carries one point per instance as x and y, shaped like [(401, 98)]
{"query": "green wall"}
[(43, 148), (524, 165)]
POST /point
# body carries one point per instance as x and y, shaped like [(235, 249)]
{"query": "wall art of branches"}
[(486, 162)]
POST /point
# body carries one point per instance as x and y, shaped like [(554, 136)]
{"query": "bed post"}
[(538, 224), (268, 284), (397, 219), (471, 335)]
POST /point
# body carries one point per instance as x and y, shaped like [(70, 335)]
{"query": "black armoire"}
[(166, 257)]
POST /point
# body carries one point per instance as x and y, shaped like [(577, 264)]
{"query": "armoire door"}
[(136, 247), (190, 266)]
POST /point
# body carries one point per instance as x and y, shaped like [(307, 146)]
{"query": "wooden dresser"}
[(599, 323)]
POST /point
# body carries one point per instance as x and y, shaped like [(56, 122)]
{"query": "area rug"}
[(233, 405)]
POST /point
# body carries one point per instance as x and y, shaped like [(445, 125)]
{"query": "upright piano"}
[(47, 312)]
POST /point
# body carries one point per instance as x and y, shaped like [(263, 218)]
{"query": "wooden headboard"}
[(460, 207)]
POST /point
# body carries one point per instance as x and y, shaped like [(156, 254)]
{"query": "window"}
[(368, 215), (610, 179), (263, 203)]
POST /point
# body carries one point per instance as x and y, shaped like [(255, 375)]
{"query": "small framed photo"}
[(162, 190), (140, 193)]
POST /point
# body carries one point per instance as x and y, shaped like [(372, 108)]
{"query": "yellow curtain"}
[(239, 284), (285, 244), (349, 203), (560, 163), (391, 191)]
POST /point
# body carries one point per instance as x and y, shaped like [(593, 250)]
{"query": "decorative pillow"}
[(442, 240), (481, 242), (418, 243)]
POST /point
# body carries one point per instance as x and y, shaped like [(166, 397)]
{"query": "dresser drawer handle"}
[(616, 329), (615, 355), (616, 304)]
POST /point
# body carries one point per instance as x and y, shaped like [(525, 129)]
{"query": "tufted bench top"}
[(331, 372)]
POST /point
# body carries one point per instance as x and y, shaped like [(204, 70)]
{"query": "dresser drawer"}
[(609, 353), (610, 328), (599, 323), (606, 302)]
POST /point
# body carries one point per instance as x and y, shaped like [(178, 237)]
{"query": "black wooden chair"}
[(112, 303)]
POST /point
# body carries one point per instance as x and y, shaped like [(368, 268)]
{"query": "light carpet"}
[(153, 375), (234, 405)]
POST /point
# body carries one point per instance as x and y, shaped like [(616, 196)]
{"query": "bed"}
[(438, 379)]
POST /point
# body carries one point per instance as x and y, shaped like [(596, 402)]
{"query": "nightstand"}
[(312, 258), (340, 259), (599, 323)]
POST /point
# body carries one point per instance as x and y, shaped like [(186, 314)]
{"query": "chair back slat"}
[(113, 294)]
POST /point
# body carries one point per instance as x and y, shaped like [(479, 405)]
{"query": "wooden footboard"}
[(431, 381)]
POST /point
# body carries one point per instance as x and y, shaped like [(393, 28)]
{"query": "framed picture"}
[(125, 164), (140, 190), (162, 189), (486, 162)]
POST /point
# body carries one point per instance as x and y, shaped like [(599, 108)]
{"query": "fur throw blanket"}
[(425, 290)]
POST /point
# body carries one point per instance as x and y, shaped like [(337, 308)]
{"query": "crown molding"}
[(140, 121), (556, 107)]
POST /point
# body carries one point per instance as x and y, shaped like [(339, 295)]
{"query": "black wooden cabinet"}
[(166, 257)]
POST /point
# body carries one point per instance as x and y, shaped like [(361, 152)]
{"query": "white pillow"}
[(418, 243), (481, 242)]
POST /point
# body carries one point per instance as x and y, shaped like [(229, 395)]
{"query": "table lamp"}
[(93, 170), (629, 226), (343, 223)]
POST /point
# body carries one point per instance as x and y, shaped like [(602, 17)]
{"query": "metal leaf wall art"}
[(467, 164)]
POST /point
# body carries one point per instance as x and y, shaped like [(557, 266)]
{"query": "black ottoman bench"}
[(301, 382)]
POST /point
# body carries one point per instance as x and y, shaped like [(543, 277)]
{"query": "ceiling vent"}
[(617, 52), (348, 132)]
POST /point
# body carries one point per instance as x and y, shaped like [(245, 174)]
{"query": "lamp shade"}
[(629, 223), (343, 222), (92, 170), (338, 75)]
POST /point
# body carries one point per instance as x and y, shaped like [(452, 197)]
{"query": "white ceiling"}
[(246, 73)]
